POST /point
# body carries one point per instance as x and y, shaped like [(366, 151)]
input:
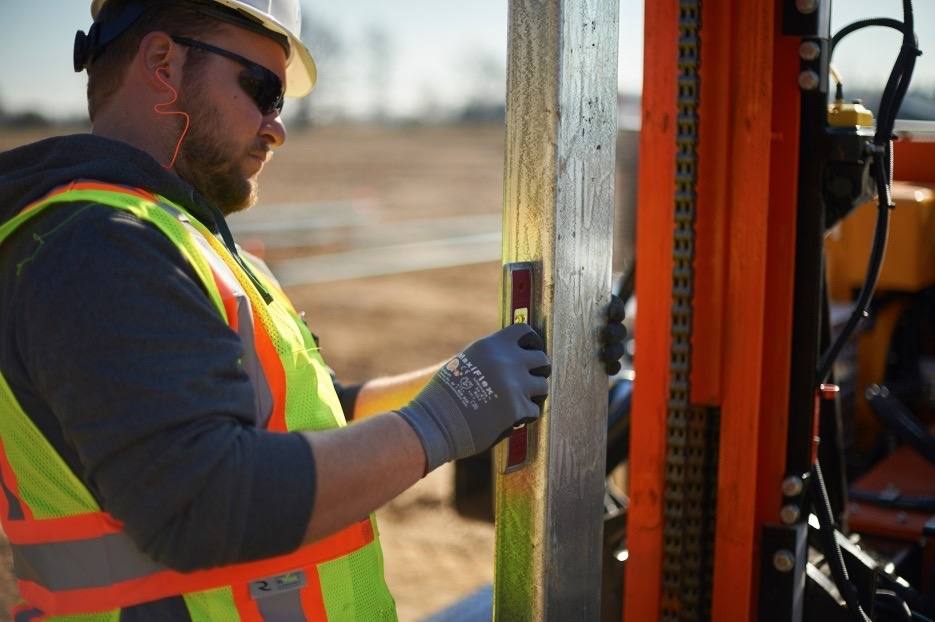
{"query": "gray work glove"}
[(613, 335), (476, 398)]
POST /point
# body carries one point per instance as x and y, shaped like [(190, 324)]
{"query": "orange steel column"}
[(654, 227), (747, 159), (758, 251)]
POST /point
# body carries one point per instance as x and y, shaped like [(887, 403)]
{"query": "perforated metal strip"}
[(691, 454)]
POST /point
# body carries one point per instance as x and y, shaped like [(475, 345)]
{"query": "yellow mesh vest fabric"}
[(311, 401), (211, 605), (352, 586), (46, 484), (349, 598)]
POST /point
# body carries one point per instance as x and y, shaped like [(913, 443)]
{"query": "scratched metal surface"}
[(558, 212)]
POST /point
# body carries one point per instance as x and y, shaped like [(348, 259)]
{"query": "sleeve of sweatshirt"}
[(145, 380)]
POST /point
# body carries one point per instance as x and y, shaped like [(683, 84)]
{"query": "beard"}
[(211, 161)]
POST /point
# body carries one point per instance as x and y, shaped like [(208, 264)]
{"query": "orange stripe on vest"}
[(171, 583), (90, 185)]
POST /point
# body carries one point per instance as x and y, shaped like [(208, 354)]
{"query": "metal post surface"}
[(558, 214)]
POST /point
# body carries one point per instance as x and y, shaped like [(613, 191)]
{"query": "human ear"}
[(159, 61)]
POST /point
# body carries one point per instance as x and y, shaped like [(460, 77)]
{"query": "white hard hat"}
[(278, 16)]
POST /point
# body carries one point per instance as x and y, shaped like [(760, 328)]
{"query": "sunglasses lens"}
[(264, 88)]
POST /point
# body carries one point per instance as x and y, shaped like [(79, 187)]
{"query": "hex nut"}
[(792, 486), (809, 80), (789, 514), (806, 7), (809, 50), (783, 560)]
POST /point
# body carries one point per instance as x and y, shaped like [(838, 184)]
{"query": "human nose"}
[(274, 130)]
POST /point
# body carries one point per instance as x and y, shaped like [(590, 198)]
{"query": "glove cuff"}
[(439, 424)]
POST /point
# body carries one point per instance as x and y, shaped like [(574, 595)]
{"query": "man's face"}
[(229, 139)]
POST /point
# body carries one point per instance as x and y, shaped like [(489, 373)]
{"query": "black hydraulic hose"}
[(887, 22), (898, 83), (891, 602), (832, 551), (896, 87), (893, 93), (874, 267)]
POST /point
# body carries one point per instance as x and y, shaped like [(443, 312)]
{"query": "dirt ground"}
[(383, 325)]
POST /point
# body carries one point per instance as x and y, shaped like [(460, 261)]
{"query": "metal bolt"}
[(806, 7), (792, 486), (809, 80), (809, 50), (783, 560), (789, 514)]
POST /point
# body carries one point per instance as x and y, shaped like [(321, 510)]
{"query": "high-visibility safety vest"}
[(73, 560)]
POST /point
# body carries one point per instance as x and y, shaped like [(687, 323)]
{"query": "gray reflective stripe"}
[(284, 607), (263, 395), (80, 564), (112, 559), (180, 216), (28, 615), (15, 511), (278, 598)]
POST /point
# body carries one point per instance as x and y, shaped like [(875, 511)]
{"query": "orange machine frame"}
[(745, 230), (744, 259)]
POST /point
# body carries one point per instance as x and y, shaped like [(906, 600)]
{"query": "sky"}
[(433, 54)]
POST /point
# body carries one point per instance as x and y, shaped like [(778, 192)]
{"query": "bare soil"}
[(383, 325)]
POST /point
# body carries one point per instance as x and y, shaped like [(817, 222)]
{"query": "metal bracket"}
[(782, 572), (806, 18)]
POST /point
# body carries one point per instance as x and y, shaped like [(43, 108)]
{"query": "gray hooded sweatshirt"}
[(113, 349)]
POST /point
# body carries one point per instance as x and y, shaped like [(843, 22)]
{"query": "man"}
[(173, 447)]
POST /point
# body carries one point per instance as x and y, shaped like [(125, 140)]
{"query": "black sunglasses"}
[(262, 85)]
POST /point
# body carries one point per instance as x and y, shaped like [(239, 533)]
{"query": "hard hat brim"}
[(301, 72)]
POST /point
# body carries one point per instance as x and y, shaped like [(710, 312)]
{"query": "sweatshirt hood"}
[(29, 172)]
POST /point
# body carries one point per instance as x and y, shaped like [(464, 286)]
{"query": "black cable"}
[(887, 22), (833, 554), (874, 267), (890, 601), (895, 90), (896, 86)]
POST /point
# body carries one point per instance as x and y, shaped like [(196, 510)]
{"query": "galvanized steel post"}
[(558, 214)]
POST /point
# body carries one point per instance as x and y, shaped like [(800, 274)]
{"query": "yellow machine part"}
[(849, 114), (909, 265)]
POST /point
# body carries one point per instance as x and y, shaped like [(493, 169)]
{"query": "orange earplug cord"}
[(159, 109)]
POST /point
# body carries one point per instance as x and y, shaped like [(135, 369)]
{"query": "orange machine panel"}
[(909, 264), (904, 472), (914, 161)]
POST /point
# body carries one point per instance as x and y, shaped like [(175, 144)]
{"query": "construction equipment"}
[(735, 510)]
